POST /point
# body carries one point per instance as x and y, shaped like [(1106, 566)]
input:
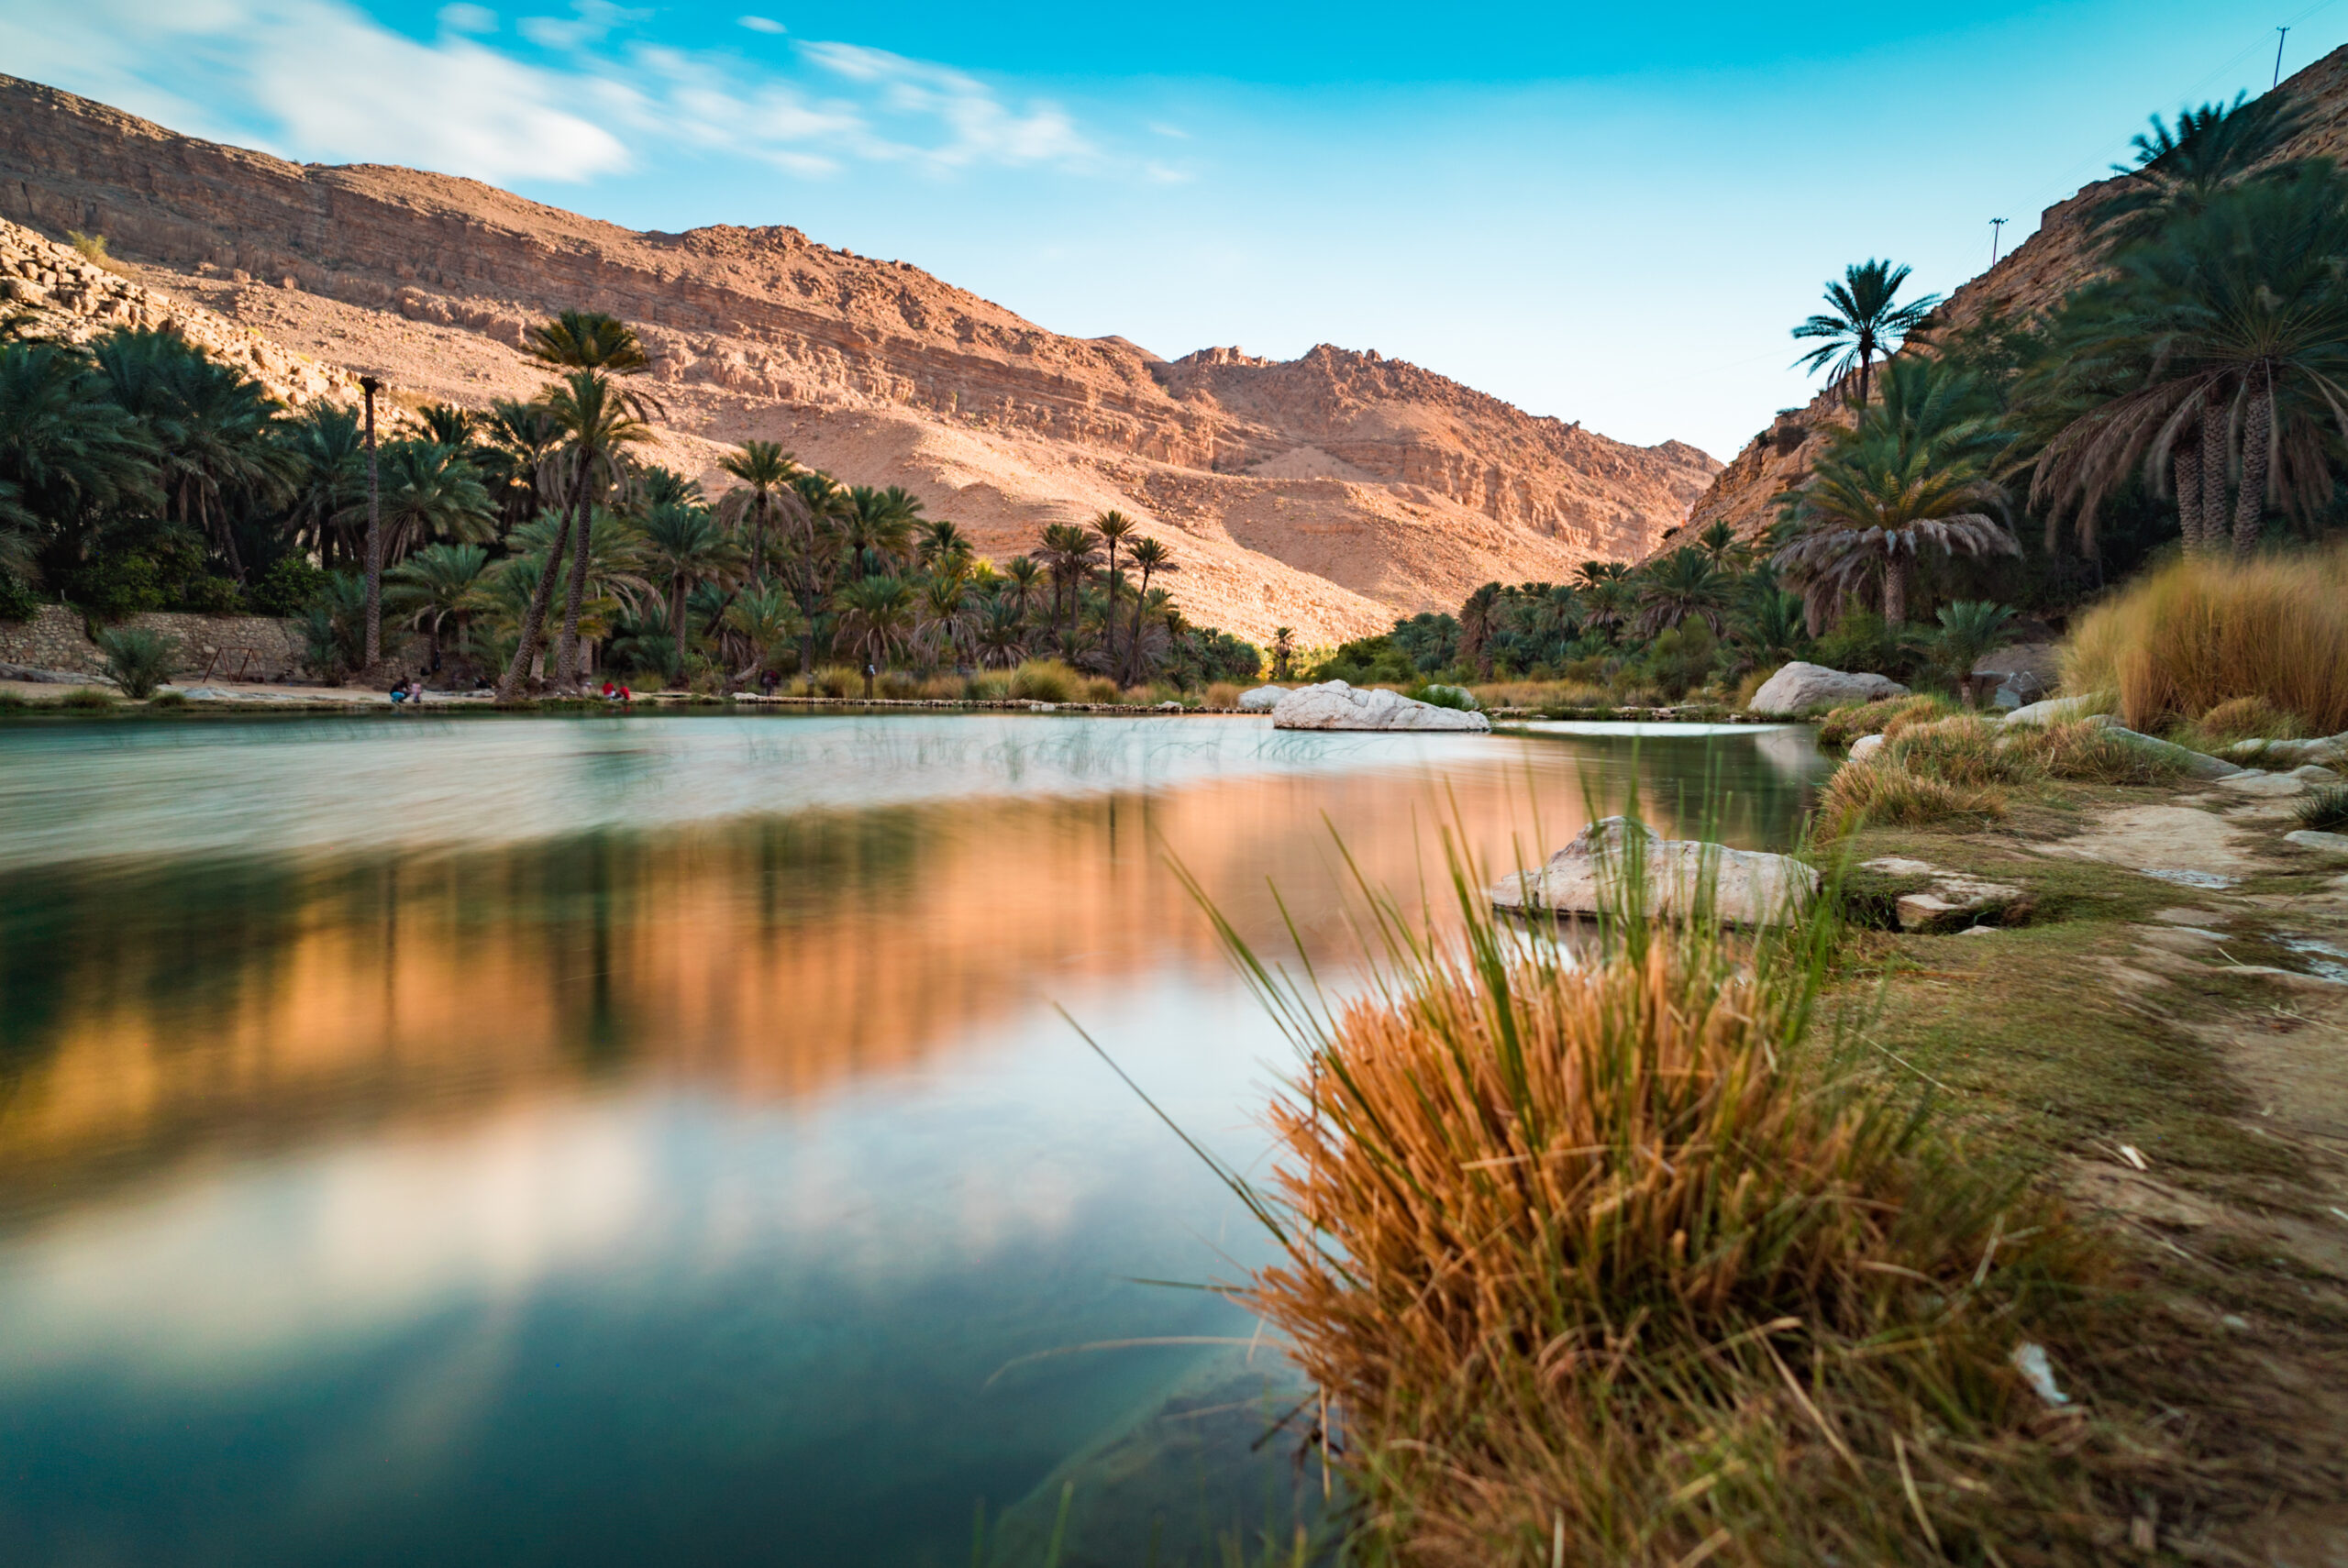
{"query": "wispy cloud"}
[(568, 96)]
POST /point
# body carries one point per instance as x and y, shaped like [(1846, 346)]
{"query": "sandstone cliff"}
[(1329, 493), (2032, 278)]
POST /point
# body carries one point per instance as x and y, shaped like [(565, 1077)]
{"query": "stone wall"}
[(250, 648)]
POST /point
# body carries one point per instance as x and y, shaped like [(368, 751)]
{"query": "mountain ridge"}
[(1331, 493)]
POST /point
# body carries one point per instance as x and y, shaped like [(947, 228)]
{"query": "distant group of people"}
[(409, 691), (615, 693)]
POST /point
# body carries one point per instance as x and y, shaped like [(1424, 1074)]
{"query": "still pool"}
[(656, 1139)]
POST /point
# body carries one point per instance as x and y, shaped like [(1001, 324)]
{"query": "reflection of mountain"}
[(151, 1011)]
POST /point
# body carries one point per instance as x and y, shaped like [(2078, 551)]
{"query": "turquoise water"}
[(654, 1140)]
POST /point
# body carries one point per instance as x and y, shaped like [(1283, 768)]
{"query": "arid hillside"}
[(1328, 492), (2033, 277)]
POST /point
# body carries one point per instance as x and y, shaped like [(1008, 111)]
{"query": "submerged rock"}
[(1333, 705), (1801, 688), (1262, 700), (1749, 886)]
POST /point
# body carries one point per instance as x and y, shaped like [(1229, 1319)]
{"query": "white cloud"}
[(318, 79), (322, 81)]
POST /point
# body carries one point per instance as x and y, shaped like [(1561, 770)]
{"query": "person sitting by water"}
[(610, 691), (402, 692)]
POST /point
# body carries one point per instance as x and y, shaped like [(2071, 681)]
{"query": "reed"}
[(2201, 632), (1604, 1259), (2324, 810), (1222, 694)]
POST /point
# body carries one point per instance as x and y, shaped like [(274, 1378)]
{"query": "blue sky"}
[(1611, 214)]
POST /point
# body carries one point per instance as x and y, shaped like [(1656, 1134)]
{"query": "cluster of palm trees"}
[(2202, 373)]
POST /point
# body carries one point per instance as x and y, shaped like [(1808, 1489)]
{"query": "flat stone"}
[(2265, 786), (1894, 865), (2059, 709), (1801, 688), (2321, 843), (1262, 700), (2315, 774), (1955, 899), (1749, 886), (1334, 705), (2195, 764)]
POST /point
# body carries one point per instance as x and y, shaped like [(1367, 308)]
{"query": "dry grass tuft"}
[(1884, 716), (2201, 633), (1598, 1259), (1046, 680), (1880, 793), (1222, 694), (1963, 750), (839, 680), (2087, 752)]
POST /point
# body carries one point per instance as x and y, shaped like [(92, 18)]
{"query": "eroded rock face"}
[(1801, 688), (1748, 886), (1333, 705)]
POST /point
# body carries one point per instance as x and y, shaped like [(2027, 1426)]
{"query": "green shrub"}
[(1681, 658), (207, 594), (87, 697), (286, 588), (117, 585), (334, 628), (1367, 661), (17, 600), (2326, 810), (1860, 641), (138, 657), (1435, 694)]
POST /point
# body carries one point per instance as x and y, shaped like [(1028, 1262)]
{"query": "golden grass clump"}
[(2087, 752), (839, 680), (1222, 694), (2201, 632), (1602, 1259), (1884, 716), (990, 686), (1046, 680), (1100, 688), (1961, 750), (1880, 793)]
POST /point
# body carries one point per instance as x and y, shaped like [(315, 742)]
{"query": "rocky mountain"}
[(2033, 277), (1328, 492)]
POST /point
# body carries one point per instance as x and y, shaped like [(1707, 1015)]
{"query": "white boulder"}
[(1801, 688), (2321, 843), (1748, 886), (1866, 747), (2060, 709), (1333, 705), (1262, 700)]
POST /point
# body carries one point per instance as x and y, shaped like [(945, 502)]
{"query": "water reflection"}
[(643, 1140)]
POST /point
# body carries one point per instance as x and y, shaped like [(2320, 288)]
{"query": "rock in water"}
[(1333, 705), (1749, 887), (1801, 688), (1262, 700)]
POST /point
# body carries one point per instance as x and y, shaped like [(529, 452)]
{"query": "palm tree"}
[(1152, 557), (448, 425), (1680, 585), (875, 608), (430, 492), (812, 561), (944, 549), (518, 440), (437, 584), (1866, 321), (1112, 527), (68, 450), (1067, 553), (1024, 574), (599, 425), (326, 442), (594, 347), (943, 615), (1001, 633), (1590, 574), (762, 618), (1917, 470), (1283, 652), (684, 545), (2177, 175), (1478, 620), (877, 528), (2223, 347), (1970, 629), (766, 471)]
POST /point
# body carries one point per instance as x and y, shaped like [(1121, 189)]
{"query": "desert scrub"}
[(1963, 750), (1046, 680), (2238, 719), (1880, 793), (2203, 632), (2325, 810), (1884, 716), (89, 698), (1602, 1259)]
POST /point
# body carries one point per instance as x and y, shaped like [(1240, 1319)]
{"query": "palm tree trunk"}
[(1895, 591), (1133, 649), (677, 623), (2213, 475), (566, 647), (2189, 521), (1865, 354), (533, 619), (2250, 505)]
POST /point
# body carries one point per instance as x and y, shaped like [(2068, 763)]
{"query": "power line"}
[(2280, 34), (1997, 232)]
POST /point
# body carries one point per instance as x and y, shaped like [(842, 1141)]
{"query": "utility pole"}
[(1996, 233), (369, 385), (2280, 34)]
